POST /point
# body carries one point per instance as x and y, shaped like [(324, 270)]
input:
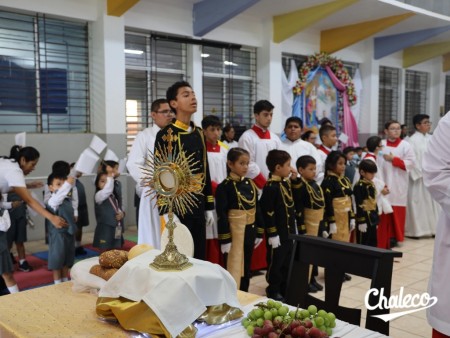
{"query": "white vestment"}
[(217, 162), (422, 211), (258, 149), (395, 178), (382, 202), (149, 227), (436, 176), (300, 148)]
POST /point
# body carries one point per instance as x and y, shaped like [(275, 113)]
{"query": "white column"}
[(269, 76), (195, 78), (107, 79)]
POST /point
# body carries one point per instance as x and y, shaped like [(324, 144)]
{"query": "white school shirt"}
[(56, 198), (258, 149), (144, 142), (395, 178), (10, 175), (436, 176)]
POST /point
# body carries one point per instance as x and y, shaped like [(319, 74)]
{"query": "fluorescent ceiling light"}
[(134, 51), (229, 63), (205, 55)]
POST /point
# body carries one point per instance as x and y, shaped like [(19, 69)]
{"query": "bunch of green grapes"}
[(273, 319)]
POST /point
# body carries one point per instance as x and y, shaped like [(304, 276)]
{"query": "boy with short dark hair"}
[(277, 206), (61, 241), (217, 162), (309, 204), (328, 137), (365, 193)]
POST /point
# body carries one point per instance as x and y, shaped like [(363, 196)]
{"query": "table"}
[(57, 311)]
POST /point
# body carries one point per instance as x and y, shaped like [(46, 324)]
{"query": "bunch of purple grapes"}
[(273, 319)]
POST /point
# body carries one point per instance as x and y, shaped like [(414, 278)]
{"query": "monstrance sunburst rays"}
[(169, 175)]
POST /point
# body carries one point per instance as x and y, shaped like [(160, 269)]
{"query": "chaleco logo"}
[(415, 302)]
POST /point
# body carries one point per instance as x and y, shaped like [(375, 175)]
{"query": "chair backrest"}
[(338, 258), (182, 238)]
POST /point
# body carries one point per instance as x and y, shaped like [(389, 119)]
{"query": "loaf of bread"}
[(113, 258), (105, 273)]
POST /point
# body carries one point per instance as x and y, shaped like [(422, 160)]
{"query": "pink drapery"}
[(350, 127)]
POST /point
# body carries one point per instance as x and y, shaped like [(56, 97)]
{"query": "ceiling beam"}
[(446, 62), (332, 40), (119, 7), (289, 24), (418, 54), (386, 45), (209, 14)]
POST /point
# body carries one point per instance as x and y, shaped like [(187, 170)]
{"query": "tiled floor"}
[(411, 272)]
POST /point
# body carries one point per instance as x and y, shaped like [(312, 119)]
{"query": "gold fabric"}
[(219, 314), (342, 207), (369, 204), (312, 220), (238, 220)]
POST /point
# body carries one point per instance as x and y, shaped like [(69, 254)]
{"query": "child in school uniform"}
[(337, 191), (61, 241), (277, 206), (309, 204), (6, 265), (366, 204), (108, 211), (83, 215), (240, 223)]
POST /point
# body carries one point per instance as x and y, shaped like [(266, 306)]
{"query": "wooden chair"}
[(338, 258)]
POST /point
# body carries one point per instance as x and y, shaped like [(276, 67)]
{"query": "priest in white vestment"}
[(436, 176), (422, 211), (149, 227)]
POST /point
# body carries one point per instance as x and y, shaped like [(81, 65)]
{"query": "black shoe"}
[(393, 243), (347, 277), (312, 288), (25, 267), (13, 258), (80, 251), (316, 284)]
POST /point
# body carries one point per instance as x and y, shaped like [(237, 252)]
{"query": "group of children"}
[(64, 195), (291, 202)]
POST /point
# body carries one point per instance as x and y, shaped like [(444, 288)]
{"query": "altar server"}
[(148, 219), (217, 162), (398, 158), (422, 211)]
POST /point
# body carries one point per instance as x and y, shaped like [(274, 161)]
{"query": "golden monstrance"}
[(170, 176)]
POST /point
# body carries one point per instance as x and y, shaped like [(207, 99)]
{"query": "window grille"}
[(447, 94), (229, 85), (416, 85), (152, 65), (388, 95), (44, 74)]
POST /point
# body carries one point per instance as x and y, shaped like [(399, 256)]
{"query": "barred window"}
[(387, 95), (229, 85), (416, 85), (152, 65), (44, 74)]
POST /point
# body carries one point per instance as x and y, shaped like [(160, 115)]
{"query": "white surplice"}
[(217, 162), (436, 176), (395, 178), (149, 227), (258, 149), (422, 211), (300, 148)]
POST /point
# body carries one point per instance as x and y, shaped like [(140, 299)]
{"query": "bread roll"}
[(113, 258)]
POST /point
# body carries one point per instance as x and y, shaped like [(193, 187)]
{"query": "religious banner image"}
[(321, 99)]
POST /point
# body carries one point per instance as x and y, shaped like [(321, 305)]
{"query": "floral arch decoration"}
[(322, 69)]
